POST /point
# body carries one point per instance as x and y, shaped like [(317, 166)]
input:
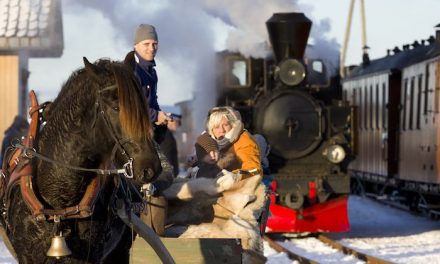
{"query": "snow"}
[(313, 249), (376, 229), (273, 257), (392, 234), (5, 256)]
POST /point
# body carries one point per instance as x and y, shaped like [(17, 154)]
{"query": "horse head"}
[(100, 120), (121, 118)]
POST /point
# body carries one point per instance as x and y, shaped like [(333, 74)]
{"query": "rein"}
[(127, 168), (20, 168)]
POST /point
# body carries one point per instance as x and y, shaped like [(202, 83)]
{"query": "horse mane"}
[(133, 107)]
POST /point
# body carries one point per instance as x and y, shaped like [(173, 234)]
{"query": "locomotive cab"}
[(318, 76)]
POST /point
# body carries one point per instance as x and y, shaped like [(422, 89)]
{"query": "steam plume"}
[(188, 33)]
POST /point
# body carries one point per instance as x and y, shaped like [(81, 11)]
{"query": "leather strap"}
[(20, 170)]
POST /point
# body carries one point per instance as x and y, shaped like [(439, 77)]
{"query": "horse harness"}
[(18, 170)]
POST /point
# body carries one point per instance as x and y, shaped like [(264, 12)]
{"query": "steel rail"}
[(331, 243), (291, 255), (350, 251)]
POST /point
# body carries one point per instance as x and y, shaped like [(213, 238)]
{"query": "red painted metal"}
[(331, 216), (312, 192)]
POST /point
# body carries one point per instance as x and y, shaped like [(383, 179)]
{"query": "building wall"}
[(9, 91)]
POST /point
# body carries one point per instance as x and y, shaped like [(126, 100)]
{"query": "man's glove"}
[(148, 189)]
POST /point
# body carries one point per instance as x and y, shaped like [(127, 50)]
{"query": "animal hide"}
[(231, 211), (186, 189)]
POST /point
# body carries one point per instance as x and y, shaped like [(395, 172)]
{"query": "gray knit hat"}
[(143, 32)]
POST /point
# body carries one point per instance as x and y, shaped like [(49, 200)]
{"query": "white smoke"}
[(189, 33), (247, 19), (322, 47)]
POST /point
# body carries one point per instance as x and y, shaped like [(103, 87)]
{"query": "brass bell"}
[(58, 247)]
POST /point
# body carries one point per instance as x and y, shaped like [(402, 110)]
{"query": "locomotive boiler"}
[(293, 101)]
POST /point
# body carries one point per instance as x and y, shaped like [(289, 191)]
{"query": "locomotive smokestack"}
[(288, 34)]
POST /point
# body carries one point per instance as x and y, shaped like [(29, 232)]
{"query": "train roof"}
[(398, 60)]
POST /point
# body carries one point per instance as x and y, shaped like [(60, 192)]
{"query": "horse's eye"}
[(116, 108)]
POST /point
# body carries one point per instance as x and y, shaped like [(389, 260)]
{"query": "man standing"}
[(141, 59)]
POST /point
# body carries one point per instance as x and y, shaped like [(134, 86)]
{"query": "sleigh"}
[(212, 221), (195, 250), (238, 199)]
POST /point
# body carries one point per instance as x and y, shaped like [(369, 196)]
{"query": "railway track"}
[(329, 242)]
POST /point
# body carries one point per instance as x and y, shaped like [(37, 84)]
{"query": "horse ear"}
[(91, 68)]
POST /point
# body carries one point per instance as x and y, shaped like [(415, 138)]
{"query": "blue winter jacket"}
[(146, 74)]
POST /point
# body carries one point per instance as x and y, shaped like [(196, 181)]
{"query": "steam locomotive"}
[(398, 102), (297, 106)]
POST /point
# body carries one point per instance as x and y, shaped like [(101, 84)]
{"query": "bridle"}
[(21, 169), (127, 168)]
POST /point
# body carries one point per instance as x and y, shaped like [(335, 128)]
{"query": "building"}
[(28, 29)]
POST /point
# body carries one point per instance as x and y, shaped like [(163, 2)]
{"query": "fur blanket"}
[(228, 206)]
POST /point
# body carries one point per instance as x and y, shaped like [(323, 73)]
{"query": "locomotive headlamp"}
[(335, 153), (291, 72)]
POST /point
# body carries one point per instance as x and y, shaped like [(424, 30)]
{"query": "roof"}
[(33, 25), (398, 60)]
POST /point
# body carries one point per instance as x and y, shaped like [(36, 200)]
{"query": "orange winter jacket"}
[(246, 149)]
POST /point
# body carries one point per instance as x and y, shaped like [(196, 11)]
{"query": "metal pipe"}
[(364, 28), (346, 38)]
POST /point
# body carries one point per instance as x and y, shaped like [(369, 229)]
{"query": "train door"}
[(393, 121), (417, 153), (431, 123)]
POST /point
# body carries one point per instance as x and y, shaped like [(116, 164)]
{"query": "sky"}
[(191, 31)]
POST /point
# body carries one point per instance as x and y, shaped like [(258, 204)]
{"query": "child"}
[(209, 158)]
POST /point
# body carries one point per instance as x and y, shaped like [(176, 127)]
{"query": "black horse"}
[(98, 121)]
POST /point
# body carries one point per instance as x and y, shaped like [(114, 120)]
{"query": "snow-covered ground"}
[(5, 256), (397, 236), (376, 229)]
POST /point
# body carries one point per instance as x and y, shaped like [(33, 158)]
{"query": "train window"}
[(366, 107), (371, 107), (238, 74), (377, 106), (354, 99), (411, 103), (425, 105), (317, 73), (384, 105), (361, 109), (317, 66), (403, 103), (419, 100)]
